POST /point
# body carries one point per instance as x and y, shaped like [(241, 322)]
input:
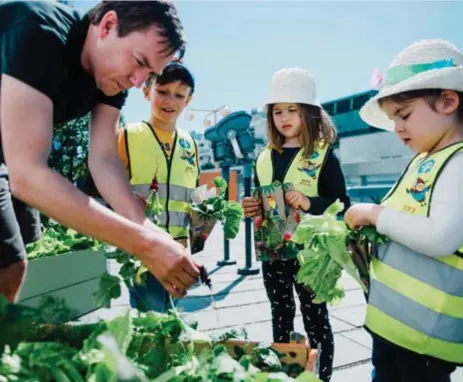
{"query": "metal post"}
[(226, 244), (248, 269)]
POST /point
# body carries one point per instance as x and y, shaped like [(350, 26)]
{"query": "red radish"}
[(287, 236), (297, 216), (204, 236), (258, 221), (154, 185)]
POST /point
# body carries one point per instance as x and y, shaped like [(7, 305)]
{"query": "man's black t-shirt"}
[(41, 45)]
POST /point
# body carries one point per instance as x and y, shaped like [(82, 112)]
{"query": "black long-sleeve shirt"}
[(331, 183)]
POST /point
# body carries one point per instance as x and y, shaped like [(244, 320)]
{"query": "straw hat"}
[(426, 64), (293, 85)]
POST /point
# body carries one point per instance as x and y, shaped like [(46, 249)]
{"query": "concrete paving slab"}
[(223, 300), (358, 373), (354, 316), (361, 336), (348, 352), (457, 376)]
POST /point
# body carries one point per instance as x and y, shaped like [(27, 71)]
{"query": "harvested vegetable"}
[(329, 247), (275, 226), (207, 208)]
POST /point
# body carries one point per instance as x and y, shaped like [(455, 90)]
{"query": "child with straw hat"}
[(415, 307)]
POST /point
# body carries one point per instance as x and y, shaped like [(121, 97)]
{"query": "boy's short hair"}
[(174, 71)]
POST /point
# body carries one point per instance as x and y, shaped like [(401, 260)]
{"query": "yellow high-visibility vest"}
[(303, 172), (416, 301), (177, 177)]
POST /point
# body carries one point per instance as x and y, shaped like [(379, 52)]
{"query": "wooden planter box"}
[(72, 277), (293, 352)]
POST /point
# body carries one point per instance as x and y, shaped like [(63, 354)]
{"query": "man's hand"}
[(171, 264), (297, 200)]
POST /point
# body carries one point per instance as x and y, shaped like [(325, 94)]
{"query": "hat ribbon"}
[(400, 73)]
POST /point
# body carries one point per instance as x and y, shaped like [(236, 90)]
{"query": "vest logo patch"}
[(309, 168), (184, 144), (189, 157), (419, 190), (426, 166)]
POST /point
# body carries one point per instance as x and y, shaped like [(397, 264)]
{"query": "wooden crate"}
[(295, 352), (71, 276)]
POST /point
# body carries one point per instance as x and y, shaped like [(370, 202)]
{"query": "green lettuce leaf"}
[(233, 214), (109, 288)]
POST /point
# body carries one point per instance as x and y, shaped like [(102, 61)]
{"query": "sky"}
[(234, 47)]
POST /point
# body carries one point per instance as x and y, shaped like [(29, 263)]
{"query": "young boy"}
[(156, 152)]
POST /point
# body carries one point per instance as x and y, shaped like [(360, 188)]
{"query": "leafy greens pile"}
[(330, 246), (137, 348), (57, 239)]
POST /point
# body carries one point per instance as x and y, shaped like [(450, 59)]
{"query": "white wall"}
[(364, 148)]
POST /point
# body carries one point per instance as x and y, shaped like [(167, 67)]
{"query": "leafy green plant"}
[(138, 348), (57, 239), (328, 249), (229, 212)]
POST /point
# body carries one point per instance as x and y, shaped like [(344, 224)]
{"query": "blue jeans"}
[(153, 296)]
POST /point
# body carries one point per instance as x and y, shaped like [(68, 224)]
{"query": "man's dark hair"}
[(173, 72), (140, 15)]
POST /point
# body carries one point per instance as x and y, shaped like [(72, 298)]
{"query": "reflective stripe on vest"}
[(303, 173), (176, 178), (416, 301)]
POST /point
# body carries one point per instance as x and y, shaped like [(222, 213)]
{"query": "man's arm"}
[(26, 142), (109, 174), (26, 139)]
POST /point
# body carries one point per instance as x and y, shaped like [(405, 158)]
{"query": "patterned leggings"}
[(279, 280)]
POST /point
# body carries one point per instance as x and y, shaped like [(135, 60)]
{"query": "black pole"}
[(248, 269), (226, 244)]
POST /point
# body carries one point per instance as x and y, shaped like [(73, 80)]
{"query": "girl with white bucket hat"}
[(415, 307), (300, 134)]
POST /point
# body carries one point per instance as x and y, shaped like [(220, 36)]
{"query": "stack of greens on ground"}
[(133, 347), (329, 247), (207, 208)]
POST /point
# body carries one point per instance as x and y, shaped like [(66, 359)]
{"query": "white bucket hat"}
[(293, 85), (426, 64)]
